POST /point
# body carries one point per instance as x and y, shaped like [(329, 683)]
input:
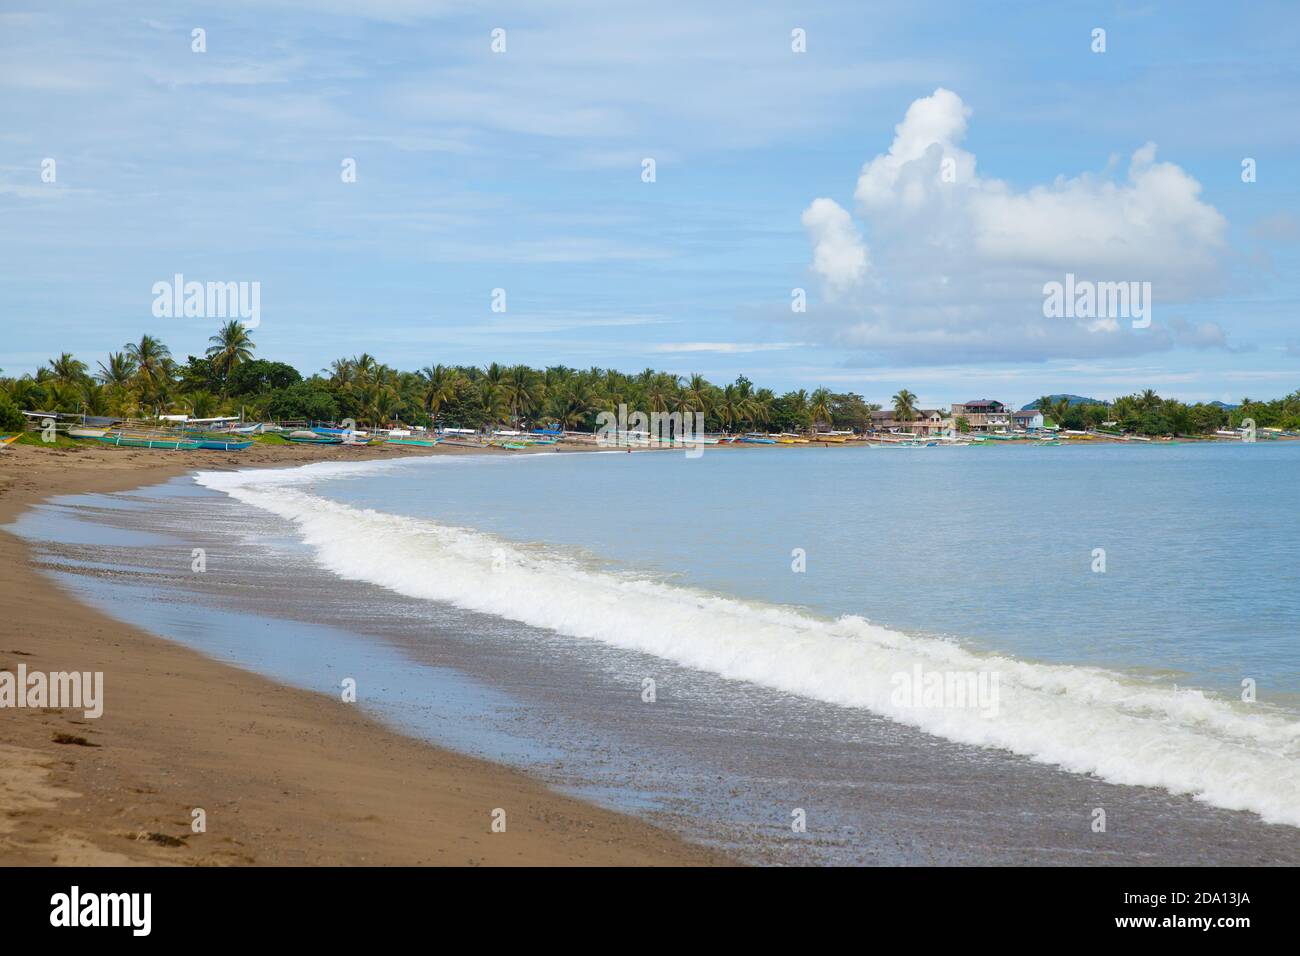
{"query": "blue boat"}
[(213, 444)]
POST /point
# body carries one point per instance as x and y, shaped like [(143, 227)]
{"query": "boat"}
[(757, 440), (7, 440), (78, 431), (832, 437), (305, 437), (216, 444), (413, 442), (149, 441)]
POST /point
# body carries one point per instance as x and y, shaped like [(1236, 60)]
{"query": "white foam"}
[(1082, 719)]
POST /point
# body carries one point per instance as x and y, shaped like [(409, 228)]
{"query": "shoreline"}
[(285, 777)]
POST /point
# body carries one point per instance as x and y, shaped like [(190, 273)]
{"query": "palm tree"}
[(67, 370), (522, 390), (659, 391), (342, 373), (573, 402), (1059, 409), (819, 406), (118, 372), (761, 405), (442, 384), (697, 393), (153, 368), (377, 402), (904, 406), (230, 346)]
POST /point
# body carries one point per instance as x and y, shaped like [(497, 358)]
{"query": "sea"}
[(863, 656)]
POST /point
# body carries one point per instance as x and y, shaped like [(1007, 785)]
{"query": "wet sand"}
[(284, 776)]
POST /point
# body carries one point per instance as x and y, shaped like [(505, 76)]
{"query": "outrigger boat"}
[(78, 431), (216, 444), (149, 441), (305, 437), (413, 442), (7, 440)]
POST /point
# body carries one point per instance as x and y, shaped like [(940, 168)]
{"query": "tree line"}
[(144, 380)]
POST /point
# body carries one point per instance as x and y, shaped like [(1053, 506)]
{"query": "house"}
[(983, 415), (927, 421), (1030, 420)]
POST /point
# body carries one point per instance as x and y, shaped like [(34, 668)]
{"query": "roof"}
[(982, 403)]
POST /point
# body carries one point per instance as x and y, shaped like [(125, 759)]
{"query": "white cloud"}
[(839, 255), (956, 261)]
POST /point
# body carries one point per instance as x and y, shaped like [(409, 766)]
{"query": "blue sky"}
[(522, 170)]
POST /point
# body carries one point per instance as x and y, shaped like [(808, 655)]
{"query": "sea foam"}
[(1082, 719)]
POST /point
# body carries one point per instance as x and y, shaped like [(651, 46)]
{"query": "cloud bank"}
[(942, 263)]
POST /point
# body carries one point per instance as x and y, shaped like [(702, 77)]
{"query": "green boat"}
[(414, 442), (127, 441)]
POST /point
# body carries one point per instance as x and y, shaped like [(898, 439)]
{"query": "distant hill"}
[(1224, 405), (1074, 400)]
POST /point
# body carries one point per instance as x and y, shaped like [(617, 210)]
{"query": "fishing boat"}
[(307, 437), (757, 440), (832, 437), (413, 442), (78, 431), (7, 440), (217, 444), (149, 441)]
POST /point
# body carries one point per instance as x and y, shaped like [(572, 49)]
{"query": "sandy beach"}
[(284, 776)]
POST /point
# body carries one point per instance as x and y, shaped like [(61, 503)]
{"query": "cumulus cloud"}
[(839, 255), (955, 260)]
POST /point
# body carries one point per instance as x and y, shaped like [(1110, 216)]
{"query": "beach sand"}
[(284, 776)]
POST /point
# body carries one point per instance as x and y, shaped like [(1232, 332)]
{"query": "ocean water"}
[(790, 609)]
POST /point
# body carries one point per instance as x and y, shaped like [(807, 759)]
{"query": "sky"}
[(920, 171)]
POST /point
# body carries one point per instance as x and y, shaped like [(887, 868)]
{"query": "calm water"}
[(519, 607)]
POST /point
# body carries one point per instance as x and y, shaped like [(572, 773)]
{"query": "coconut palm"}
[(153, 370), (904, 406), (522, 391), (441, 385), (118, 372), (819, 406), (231, 345), (572, 402), (67, 370), (342, 373)]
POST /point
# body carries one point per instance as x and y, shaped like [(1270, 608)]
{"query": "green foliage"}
[(259, 376), (303, 400), (143, 380), (11, 417)]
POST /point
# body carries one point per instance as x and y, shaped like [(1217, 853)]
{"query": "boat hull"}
[(162, 444), (214, 445)]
